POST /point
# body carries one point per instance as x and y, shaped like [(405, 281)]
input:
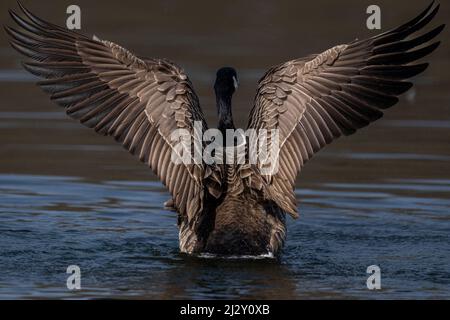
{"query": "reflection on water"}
[(127, 245), (68, 196)]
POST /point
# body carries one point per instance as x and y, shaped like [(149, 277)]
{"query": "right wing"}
[(315, 100)]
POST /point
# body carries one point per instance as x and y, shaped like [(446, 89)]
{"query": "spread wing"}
[(139, 102), (315, 100)]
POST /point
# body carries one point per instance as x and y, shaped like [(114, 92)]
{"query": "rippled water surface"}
[(126, 245), (70, 197)]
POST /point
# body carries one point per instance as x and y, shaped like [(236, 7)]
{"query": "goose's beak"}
[(236, 82)]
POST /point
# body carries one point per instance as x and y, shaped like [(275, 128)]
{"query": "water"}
[(126, 245), (70, 197)]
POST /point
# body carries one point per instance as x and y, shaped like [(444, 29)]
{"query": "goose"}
[(224, 209)]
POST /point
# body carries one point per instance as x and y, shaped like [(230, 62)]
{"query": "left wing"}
[(139, 102)]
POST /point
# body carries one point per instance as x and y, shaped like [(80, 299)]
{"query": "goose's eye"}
[(235, 82)]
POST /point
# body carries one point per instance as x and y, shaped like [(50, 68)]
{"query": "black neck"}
[(224, 109)]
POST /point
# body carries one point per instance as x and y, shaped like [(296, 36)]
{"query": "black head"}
[(226, 81)]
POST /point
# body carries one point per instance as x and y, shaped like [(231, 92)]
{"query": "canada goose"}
[(224, 209)]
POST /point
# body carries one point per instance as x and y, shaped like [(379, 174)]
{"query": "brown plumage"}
[(224, 209)]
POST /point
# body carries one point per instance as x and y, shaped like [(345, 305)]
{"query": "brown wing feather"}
[(139, 102), (314, 101)]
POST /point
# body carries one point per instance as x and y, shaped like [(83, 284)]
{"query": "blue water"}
[(126, 244)]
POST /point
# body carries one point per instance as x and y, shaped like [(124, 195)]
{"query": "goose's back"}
[(245, 225)]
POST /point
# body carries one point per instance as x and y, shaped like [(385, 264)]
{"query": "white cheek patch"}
[(236, 82)]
